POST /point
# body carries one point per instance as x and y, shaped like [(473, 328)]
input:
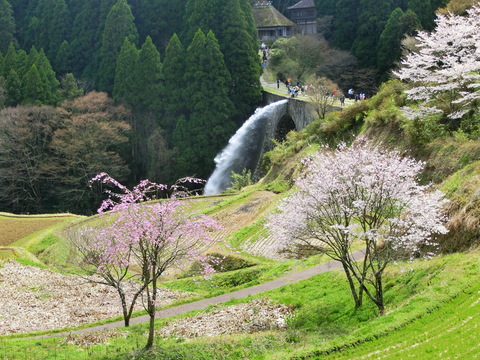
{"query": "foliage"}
[(69, 88), (458, 7), (199, 15), (47, 153), (7, 26), (125, 86), (26, 134), (393, 89), (372, 19), (29, 78), (238, 43), (298, 57), (159, 19), (208, 126), (389, 49), (148, 78), (444, 74), (64, 58), (345, 125), (360, 194), (52, 26), (86, 35), (174, 84), (220, 263), (346, 22), (87, 143), (85, 39), (240, 180), (464, 226), (118, 26)]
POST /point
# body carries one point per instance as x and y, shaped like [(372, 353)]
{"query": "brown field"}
[(13, 228)]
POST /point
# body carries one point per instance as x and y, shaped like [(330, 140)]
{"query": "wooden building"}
[(304, 15), (271, 24)]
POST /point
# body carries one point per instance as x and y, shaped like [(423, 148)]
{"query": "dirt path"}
[(201, 304)]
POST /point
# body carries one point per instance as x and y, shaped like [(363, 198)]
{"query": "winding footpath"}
[(201, 304)]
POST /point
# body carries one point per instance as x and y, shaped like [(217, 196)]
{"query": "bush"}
[(390, 90), (241, 277), (221, 263), (463, 189), (425, 130), (239, 181)]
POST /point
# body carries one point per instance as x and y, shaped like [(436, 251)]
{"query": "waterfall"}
[(243, 149)]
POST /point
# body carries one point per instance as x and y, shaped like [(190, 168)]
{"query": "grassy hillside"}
[(432, 306), (427, 309), (24, 237)]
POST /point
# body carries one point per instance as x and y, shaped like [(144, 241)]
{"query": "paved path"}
[(201, 304), (271, 87), (282, 90)]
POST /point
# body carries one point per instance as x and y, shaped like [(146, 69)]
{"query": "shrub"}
[(239, 180), (422, 131), (221, 263), (241, 277), (390, 90), (463, 189)]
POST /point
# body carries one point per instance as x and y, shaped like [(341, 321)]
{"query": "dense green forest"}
[(185, 72)]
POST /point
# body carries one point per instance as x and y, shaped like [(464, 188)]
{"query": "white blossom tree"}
[(366, 195), (445, 72)]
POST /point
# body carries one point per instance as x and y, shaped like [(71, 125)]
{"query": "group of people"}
[(295, 90), (292, 91), (265, 51), (352, 95)]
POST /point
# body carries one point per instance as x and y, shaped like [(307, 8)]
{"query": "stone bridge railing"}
[(296, 116)]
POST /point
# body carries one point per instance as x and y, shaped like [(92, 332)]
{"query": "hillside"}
[(427, 301)]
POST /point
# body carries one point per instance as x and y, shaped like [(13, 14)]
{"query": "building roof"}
[(266, 15), (303, 4)]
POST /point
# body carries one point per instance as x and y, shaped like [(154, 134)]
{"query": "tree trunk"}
[(126, 314), (152, 299), (357, 296), (379, 288), (151, 328)]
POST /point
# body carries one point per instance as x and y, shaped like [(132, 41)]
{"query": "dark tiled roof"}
[(268, 16), (303, 4)]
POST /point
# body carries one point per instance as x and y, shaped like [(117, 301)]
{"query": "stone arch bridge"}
[(296, 115)]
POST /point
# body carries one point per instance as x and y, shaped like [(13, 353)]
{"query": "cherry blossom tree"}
[(360, 194), (445, 72), (141, 241)]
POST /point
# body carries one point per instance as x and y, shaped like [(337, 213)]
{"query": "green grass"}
[(445, 333), (222, 283)]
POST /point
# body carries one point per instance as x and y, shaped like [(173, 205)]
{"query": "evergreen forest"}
[(174, 79)]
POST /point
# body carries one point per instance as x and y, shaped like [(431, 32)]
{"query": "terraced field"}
[(449, 330), (445, 333), (16, 227)]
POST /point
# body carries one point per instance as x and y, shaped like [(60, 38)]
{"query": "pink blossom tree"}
[(358, 195), (445, 72), (141, 241)]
